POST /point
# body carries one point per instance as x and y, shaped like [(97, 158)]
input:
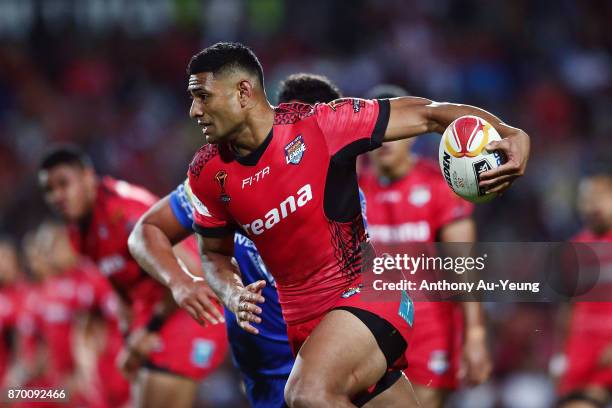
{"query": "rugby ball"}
[(463, 158)]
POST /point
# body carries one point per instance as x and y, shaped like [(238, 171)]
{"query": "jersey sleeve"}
[(451, 207), (210, 217), (181, 204), (353, 126), (101, 294)]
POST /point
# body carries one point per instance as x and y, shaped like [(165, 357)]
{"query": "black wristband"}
[(155, 323)]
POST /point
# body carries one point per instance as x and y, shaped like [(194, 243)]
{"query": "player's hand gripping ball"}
[(463, 158)]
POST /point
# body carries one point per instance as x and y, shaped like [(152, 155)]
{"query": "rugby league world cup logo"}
[(221, 178), (468, 136)]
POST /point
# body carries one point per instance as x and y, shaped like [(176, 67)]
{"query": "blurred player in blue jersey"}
[(265, 360)]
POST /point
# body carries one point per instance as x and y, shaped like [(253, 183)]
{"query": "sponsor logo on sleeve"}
[(200, 207)]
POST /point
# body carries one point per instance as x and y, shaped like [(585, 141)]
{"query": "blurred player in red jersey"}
[(588, 348), (69, 303), (10, 299), (286, 177), (167, 352), (409, 201)]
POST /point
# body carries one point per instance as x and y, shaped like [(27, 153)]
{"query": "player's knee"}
[(309, 394)]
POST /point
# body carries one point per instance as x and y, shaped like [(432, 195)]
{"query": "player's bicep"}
[(410, 116), (211, 221), (221, 245), (180, 201), (162, 217), (352, 126)]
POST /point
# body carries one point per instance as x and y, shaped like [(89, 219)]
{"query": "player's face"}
[(391, 154), (53, 240), (216, 105), (58, 241), (595, 203), (68, 190), (9, 267), (36, 257)]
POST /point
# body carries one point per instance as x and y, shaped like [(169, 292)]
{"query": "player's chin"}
[(212, 138), (64, 213)]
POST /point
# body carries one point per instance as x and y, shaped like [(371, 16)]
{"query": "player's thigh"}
[(430, 397), (399, 395), (157, 389), (341, 356), (598, 393)]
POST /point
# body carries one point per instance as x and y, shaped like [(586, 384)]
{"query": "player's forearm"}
[(152, 249), (473, 320), (220, 272), (411, 116), (443, 114), (222, 276)]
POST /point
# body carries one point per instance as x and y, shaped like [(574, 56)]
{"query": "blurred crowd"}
[(113, 81)]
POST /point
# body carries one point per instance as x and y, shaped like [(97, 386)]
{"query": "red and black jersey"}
[(413, 208), (54, 304), (296, 197), (590, 317), (104, 238), (590, 329), (11, 298)]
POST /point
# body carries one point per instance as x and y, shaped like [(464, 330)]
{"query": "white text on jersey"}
[(111, 264), (256, 177), (287, 207), (407, 232)]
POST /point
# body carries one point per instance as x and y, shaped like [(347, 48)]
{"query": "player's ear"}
[(245, 89), (90, 175)]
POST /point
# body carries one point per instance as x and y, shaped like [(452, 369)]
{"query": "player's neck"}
[(258, 126), (601, 232), (397, 171), (91, 197)]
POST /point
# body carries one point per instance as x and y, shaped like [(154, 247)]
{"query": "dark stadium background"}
[(110, 76)]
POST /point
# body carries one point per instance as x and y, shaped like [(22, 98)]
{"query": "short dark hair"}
[(308, 88), (6, 240), (599, 165), (579, 396), (65, 154), (226, 55), (383, 91)]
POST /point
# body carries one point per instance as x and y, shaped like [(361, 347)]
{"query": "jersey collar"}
[(252, 158)]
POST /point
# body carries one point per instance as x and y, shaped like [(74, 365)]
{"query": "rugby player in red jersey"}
[(588, 348), (286, 177), (408, 201), (72, 301), (167, 352), (264, 360), (10, 287)]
